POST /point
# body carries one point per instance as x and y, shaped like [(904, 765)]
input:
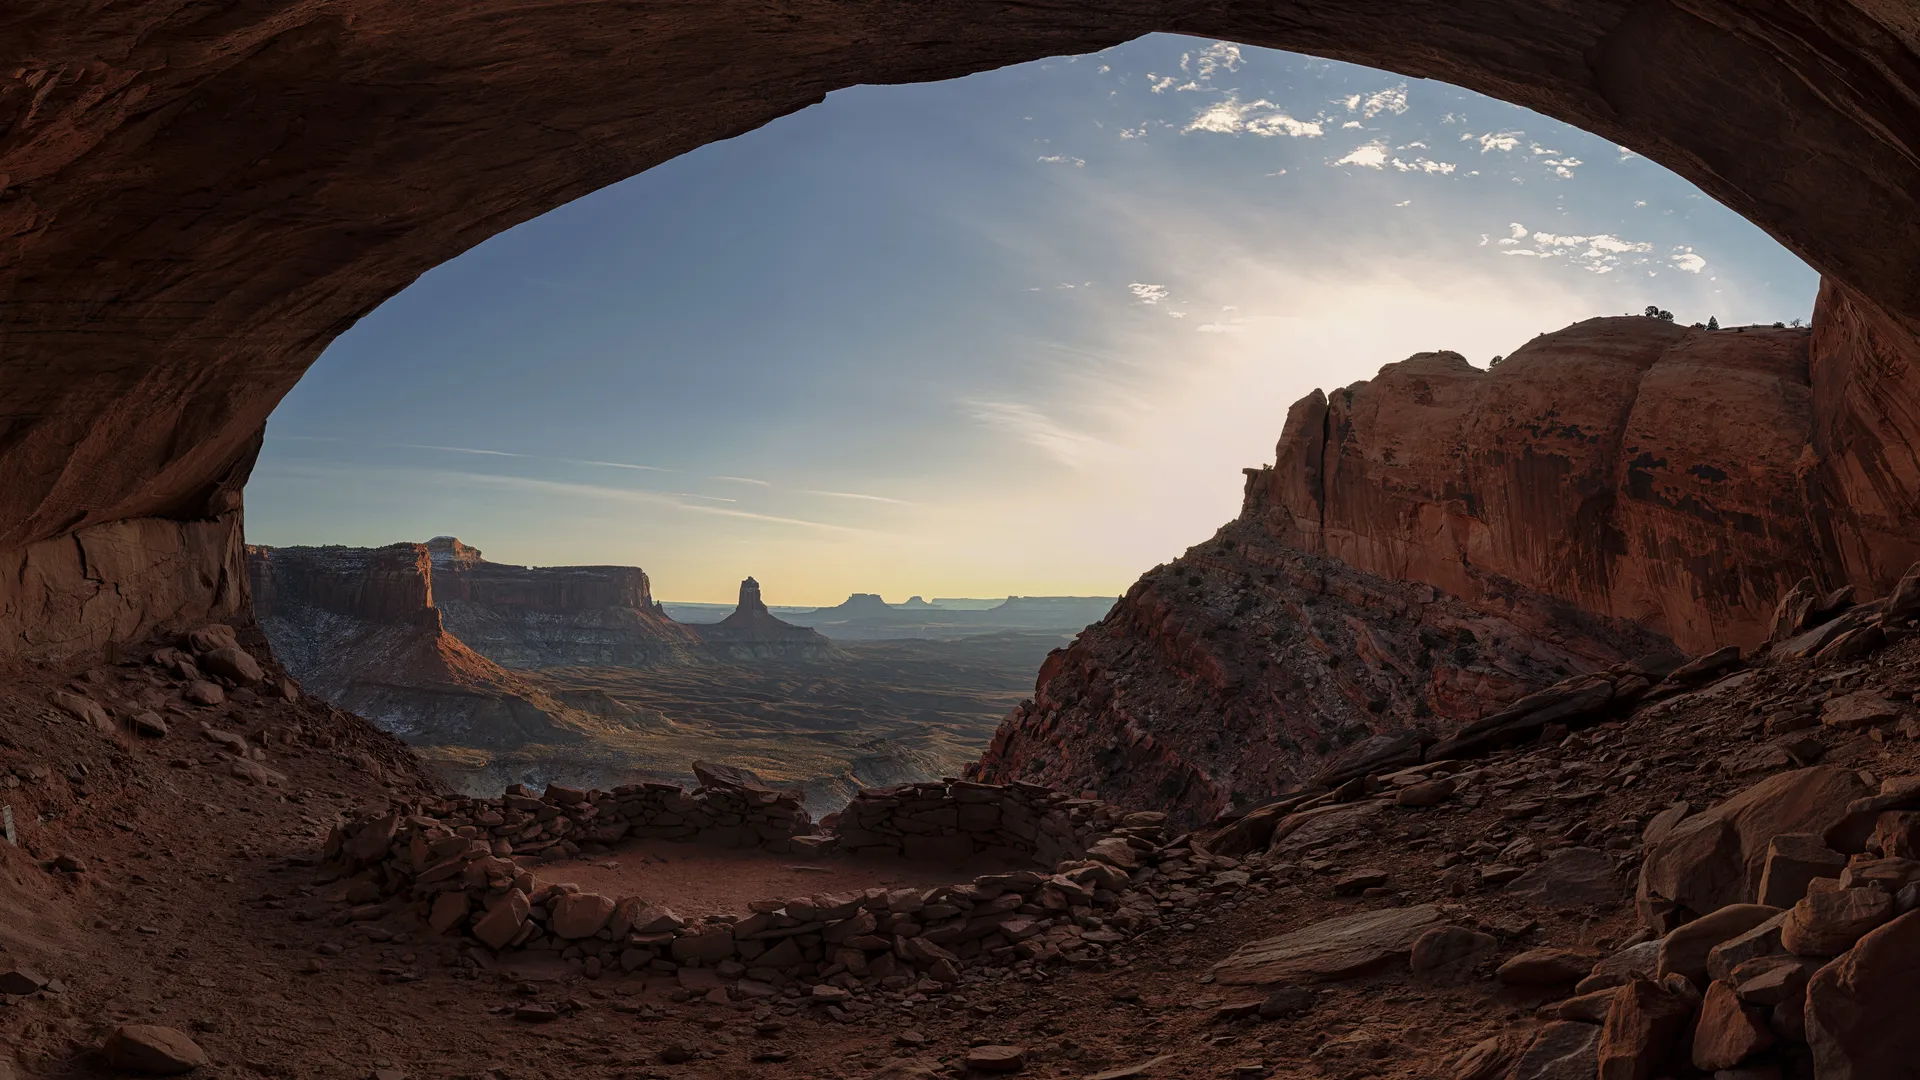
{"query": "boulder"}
[(1615, 970), (1376, 754), (498, 927), (1252, 831), (1426, 793), (1334, 948), (85, 710), (210, 637), (1728, 1032), (1761, 941), (233, 662), (1449, 946), (1793, 861), (580, 915), (149, 1048), (1860, 1008), (1861, 709), (1560, 1051), (202, 692), (1310, 828), (1828, 922), (1707, 667), (1685, 950), (1644, 1025), (1545, 967), (1716, 857)]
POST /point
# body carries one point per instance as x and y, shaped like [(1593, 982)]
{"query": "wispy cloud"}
[(617, 465), (1147, 294), (742, 480), (856, 495), (460, 450), (1391, 100), (1688, 261), (1502, 141), (1063, 159), (1036, 428)]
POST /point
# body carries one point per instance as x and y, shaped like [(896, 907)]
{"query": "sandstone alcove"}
[(199, 201)]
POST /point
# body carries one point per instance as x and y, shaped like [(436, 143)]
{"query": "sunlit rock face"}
[(1635, 468), (196, 199), (554, 616)]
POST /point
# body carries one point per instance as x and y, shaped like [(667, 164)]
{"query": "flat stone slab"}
[(1331, 949), (1571, 877)]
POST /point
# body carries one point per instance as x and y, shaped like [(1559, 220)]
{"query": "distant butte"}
[(754, 633)]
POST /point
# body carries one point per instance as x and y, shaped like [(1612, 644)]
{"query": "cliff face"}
[(1632, 467), (554, 616), (358, 626), (1623, 486), (752, 632)]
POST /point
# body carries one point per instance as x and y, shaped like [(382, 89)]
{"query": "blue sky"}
[(1013, 333)]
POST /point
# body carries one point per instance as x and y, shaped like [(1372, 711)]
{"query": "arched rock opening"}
[(197, 198)]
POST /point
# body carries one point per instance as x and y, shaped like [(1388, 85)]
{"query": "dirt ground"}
[(695, 880)]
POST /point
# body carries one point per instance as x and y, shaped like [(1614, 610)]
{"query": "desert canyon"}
[(1553, 720)]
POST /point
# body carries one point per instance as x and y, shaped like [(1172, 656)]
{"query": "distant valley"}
[(500, 674)]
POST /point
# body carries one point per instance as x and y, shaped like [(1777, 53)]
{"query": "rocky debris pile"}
[(954, 820), (1245, 667), (1782, 938)]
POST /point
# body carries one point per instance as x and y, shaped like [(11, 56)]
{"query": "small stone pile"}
[(953, 820)]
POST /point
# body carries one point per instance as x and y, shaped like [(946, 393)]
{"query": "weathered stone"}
[(1727, 1032), (1487, 1059), (1773, 980), (1861, 709), (580, 915), (998, 1059), (1570, 877), (448, 911), (202, 692), (1615, 970), (148, 1048), (232, 662), (1447, 946), (16, 980), (1716, 858), (1762, 940), (1426, 793), (1643, 1029), (1827, 923), (1545, 967), (84, 709), (707, 946), (1793, 860), (497, 928), (1560, 1051), (1859, 1008), (1331, 949), (1685, 950)]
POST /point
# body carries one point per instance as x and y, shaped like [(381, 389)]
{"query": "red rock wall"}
[(1638, 469), (392, 584), (119, 582), (460, 573)]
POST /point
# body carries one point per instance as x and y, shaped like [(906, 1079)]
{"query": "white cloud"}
[(1219, 56), (1371, 156), (1352, 124), (1404, 202), (1148, 294), (1688, 262), (1625, 153), (742, 480), (1516, 230), (1158, 83), (1063, 159), (1502, 141), (1600, 253), (1262, 117), (1392, 100), (1423, 165), (1134, 133)]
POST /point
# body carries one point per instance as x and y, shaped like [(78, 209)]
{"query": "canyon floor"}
[(171, 880), (876, 713)]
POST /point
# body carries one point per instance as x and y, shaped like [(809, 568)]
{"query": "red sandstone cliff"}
[(554, 616), (1605, 488), (358, 626)]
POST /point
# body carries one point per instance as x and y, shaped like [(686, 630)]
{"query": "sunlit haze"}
[(1014, 333)]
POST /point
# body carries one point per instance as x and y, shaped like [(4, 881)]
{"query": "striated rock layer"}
[(1619, 487), (358, 626), (554, 616), (197, 198)]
